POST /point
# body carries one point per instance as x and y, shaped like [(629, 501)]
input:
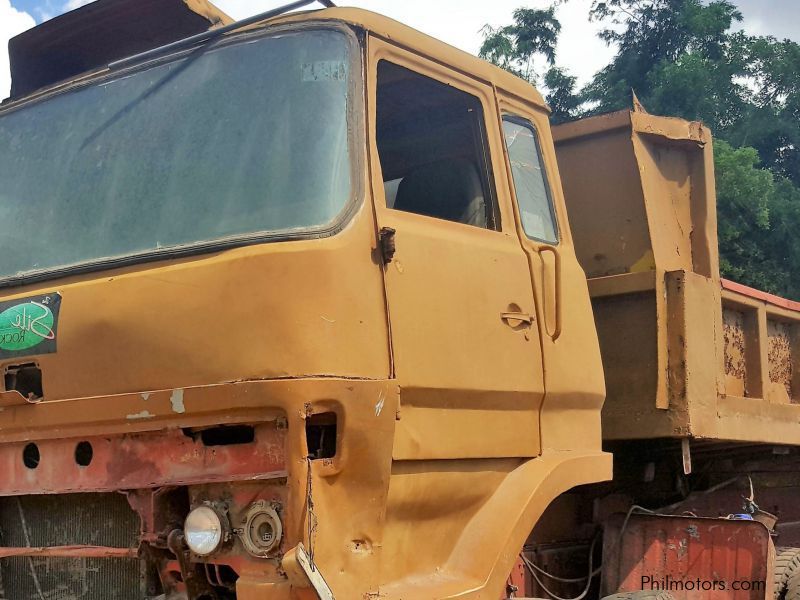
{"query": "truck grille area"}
[(71, 579), (69, 520)]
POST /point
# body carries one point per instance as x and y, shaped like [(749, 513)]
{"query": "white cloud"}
[(12, 22), (579, 48), (459, 23)]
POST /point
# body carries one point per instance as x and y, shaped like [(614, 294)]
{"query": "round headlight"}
[(203, 530)]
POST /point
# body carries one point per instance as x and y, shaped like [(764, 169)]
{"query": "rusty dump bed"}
[(685, 353)]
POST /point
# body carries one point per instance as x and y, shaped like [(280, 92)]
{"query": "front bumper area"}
[(155, 451)]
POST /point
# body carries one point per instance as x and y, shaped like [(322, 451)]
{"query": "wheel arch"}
[(486, 551)]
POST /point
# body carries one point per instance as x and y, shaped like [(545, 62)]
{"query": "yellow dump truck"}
[(313, 306)]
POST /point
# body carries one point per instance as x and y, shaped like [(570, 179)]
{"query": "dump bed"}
[(685, 353)]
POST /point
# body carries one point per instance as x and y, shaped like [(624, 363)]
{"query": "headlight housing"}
[(205, 530), (262, 530)]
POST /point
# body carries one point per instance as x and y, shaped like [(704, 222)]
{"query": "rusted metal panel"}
[(517, 585), (85, 520), (780, 359), (692, 558), (127, 462), (69, 547), (74, 578), (770, 326), (735, 351)]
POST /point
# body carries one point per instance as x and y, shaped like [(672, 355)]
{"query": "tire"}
[(643, 595), (792, 589), (787, 563)]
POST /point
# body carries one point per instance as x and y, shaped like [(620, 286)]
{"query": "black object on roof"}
[(91, 37)]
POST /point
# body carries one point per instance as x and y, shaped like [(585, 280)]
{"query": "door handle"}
[(556, 333), (516, 319)]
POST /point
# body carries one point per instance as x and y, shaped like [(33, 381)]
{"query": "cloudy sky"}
[(457, 22)]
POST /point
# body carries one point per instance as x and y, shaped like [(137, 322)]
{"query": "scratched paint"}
[(176, 399), (145, 414)]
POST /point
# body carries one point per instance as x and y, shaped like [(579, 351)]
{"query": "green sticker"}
[(28, 325)]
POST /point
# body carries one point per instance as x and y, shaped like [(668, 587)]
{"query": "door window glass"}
[(432, 148), (530, 180)]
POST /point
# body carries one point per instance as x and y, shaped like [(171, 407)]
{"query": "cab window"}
[(530, 181), (432, 148)]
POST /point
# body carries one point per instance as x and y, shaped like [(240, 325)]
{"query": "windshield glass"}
[(227, 142)]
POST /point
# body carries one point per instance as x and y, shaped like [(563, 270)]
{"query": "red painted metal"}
[(517, 585), (142, 460), (692, 558), (759, 295)]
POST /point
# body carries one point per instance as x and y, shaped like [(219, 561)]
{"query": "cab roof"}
[(425, 45)]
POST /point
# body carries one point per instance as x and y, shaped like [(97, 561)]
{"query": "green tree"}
[(656, 39), (515, 47), (744, 195), (771, 121), (758, 214), (562, 96)]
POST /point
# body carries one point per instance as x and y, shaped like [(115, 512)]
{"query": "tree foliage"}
[(514, 47), (683, 58)]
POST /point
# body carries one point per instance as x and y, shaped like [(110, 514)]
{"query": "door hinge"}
[(387, 244)]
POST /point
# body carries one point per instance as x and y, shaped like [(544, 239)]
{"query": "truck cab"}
[(289, 308)]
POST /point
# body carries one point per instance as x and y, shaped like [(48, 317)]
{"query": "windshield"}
[(231, 141)]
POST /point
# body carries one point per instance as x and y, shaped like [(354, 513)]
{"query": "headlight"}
[(204, 530)]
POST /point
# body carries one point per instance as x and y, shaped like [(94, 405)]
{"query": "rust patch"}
[(780, 354), (735, 346), (144, 460), (657, 548)]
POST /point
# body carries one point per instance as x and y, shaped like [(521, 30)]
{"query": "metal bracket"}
[(386, 240), (298, 564)]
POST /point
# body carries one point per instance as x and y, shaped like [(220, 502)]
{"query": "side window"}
[(432, 147), (530, 181)]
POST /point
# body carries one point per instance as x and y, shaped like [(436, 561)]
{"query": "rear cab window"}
[(532, 190)]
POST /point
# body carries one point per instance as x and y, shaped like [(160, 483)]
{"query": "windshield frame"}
[(355, 119)]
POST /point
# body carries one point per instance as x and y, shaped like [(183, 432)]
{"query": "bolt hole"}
[(30, 456), (84, 454)]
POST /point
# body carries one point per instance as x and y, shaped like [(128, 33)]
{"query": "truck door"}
[(574, 377), (466, 347)]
